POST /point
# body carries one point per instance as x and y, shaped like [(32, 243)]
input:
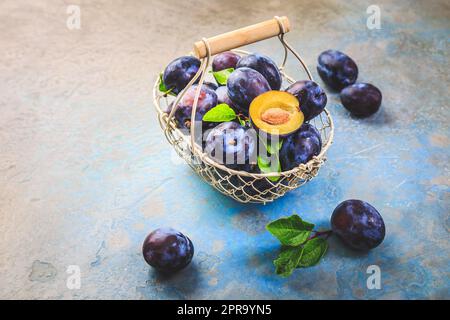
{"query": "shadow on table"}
[(179, 285)]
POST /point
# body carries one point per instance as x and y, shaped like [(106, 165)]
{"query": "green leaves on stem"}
[(313, 251), (291, 231), (300, 249)]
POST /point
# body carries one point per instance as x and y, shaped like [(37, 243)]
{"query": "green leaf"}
[(220, 113), (162, 86), (222, 76), (313, 251), (265, 166), (291, 231), (263, 162), (268, 146), (277, 147), (287, 260)]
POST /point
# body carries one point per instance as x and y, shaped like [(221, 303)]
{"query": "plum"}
[(361, 99), (300, 147), (311, 96), (265, 66), (179, 72), (358, 224), (244, 85), (206, 101), (222, 96), (225, 60), (167, 250), (210, 85), (232, 145), (337, 69)]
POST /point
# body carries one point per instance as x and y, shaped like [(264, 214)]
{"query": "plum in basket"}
[(179, 72)]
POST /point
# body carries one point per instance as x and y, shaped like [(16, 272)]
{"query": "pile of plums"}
[(340, 72), (264, 111)]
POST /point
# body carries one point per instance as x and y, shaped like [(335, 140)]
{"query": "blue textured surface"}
[(85, 172)]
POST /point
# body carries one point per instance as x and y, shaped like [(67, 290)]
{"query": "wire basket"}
[(242, 186)]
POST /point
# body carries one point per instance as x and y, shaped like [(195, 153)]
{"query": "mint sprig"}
[(291, 231), (313, 251), (300, 248), (222, 76), (287, 261)]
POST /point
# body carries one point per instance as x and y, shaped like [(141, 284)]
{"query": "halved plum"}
[(276, 113)]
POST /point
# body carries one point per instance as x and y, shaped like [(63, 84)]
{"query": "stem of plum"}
[(317, 234)]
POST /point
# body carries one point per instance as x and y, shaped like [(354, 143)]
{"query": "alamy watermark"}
[(374, 280), (73, 21), (73, 281), (374, 18)]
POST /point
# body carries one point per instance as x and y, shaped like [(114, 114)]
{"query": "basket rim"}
[(199, 153)]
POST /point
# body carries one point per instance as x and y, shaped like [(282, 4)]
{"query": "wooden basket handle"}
[(242, 37)]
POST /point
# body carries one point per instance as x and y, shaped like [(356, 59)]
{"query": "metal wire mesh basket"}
[(242, 186)]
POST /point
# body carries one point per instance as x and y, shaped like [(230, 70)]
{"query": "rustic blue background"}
[(85, 171)]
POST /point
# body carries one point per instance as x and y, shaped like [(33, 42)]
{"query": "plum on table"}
[(337, 69), (358, 224), (311, 97), (264, 65), (300, 147), (361, 99), (179, 72), (244, 85), (167, 250)]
